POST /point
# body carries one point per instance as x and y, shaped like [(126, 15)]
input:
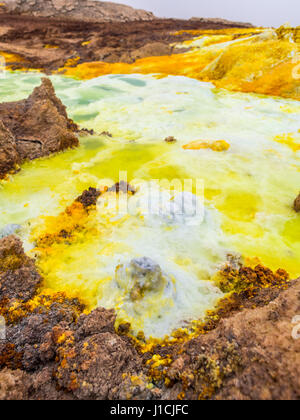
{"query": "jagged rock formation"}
[(34, 127), (78, 9)]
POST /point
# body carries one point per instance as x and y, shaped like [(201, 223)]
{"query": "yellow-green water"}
[(249, 189)]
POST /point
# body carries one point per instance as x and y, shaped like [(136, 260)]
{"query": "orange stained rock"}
[(216, 146)]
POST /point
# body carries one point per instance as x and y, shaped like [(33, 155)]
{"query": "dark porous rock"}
[(95, 363), (19, 278), (251, 355), (99, 321), (89, 197), (9, 156)]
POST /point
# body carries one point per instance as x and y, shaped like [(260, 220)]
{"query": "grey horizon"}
[(258, 12)]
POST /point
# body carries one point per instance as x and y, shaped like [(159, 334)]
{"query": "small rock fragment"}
[(106, 134), (139, 276), (297, 204), (89, 197)]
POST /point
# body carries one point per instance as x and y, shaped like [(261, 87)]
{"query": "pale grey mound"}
[(9, 230), (140, 276)]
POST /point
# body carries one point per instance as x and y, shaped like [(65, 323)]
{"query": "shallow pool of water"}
[(248, 189)]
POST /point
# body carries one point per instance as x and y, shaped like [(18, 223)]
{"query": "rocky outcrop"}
[(78, 9), (61, 359), (34, 127), (252, 355), (105, 362)]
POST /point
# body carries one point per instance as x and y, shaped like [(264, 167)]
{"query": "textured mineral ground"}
[(108, 37), (55, 351), (162, 304)]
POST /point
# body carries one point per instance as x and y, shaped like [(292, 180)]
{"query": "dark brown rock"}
[(9, 157), (32, 337), (96, 363), (39, 124), (250, 355), (19, 278), (89, 197), (99, 321), (297, 204)]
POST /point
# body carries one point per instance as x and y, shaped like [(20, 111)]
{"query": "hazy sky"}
[(258, 12)]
